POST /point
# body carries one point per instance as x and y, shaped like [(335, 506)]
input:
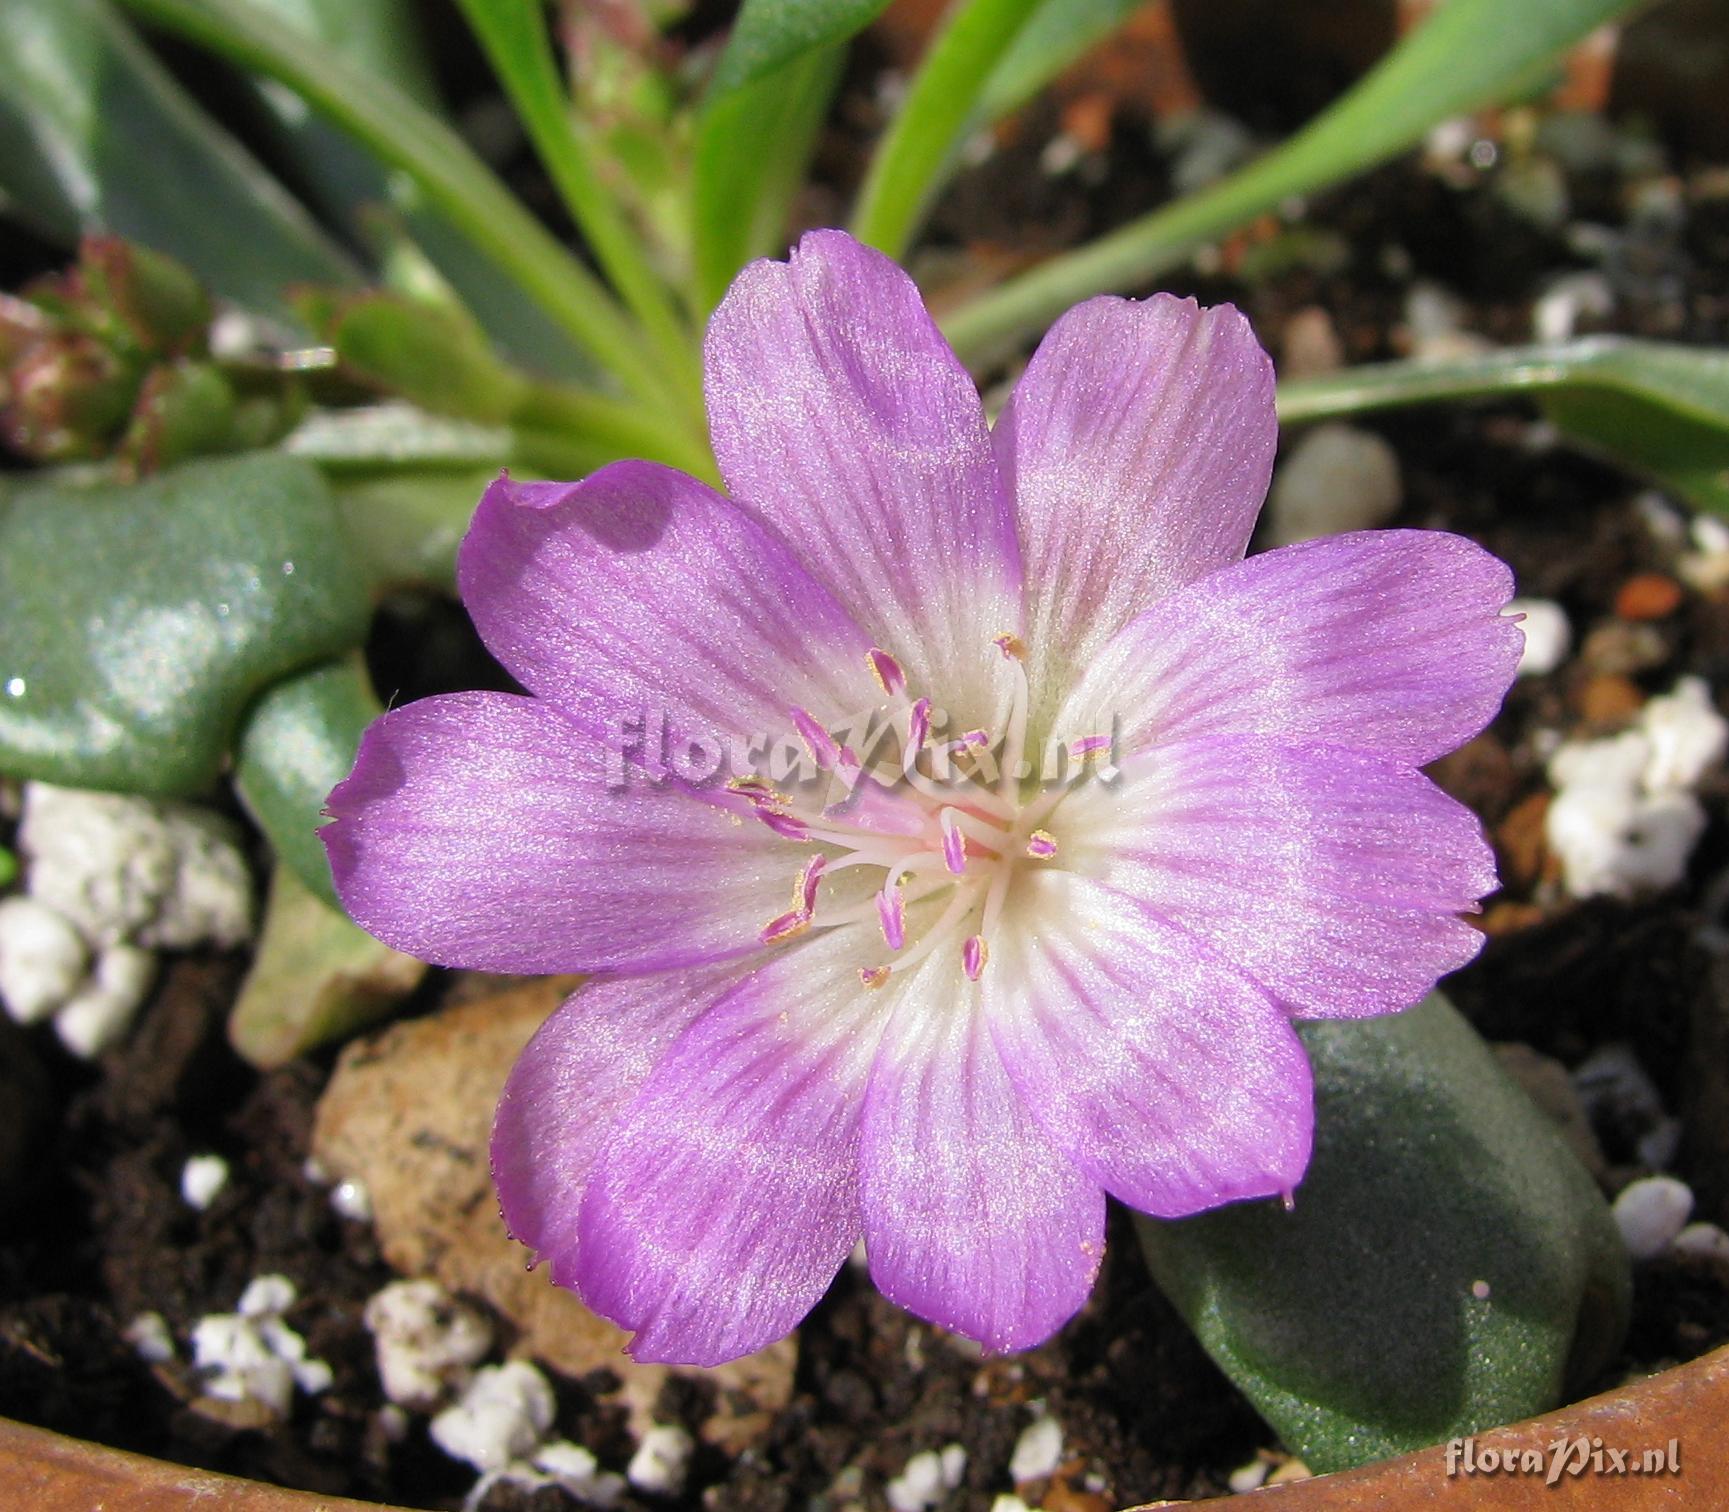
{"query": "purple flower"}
[(919, 1000)]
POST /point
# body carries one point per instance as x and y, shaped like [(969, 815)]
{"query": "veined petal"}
[(839, 413), (727, 1196), (1137, 447), (973, 1218), (641, 594), (483, 830), (571, 1085), (1332, 877), (1166, 1076), (1385, 640)]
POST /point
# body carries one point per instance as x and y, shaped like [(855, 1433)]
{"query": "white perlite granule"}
[(426, 1341)]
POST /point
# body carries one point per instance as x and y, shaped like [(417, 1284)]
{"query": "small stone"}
[(1548, 635), (577, 1471), (1703, 1241), (1038, 1451), (1607, 701), (1623, 648), (1651, 1213), (1688, 736), (351, 1200), (500, 1418), (1648, 596), (168, 875), (267, 1297), (1062, 1497), (1337, 478), (101, 1011), (1292, 1469), (661, 1460), (43, 958), (201, 1178), (1519, 838), (148, 1334), (1249, 1477), (425, 1340), (1311, 345)]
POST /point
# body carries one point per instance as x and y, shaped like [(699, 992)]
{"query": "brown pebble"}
[(1508, 918), (1648, 596), (1062, 1497), (1087, 119), (1519, 838), (1608, 700), (1311, 344)]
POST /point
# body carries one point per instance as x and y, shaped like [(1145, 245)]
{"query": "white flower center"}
[(949, 824)]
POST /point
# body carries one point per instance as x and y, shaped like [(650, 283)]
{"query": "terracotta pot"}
[(48, 1473)]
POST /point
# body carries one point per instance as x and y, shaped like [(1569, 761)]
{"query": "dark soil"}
[(100, 1233)]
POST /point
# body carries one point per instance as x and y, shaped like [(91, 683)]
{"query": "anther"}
[(892, 914), (887, 671), (873, 976), (954, 842), (1041, 845), (794, 922), (974, 954), (817, 741), (1011, 645)]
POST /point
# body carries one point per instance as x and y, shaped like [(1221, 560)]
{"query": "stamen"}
[(1041, 845), (974, 954), (954, 842), (892, 915), (873, 976), (1089, 746), (918, 731), (817, 740), (794, 922), (804, 890), (887, 671), (1011, 645)]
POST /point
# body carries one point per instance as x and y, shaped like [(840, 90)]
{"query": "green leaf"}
[(452, 179), (316, 978), (298, 741), (430, 355), (515, 37), (1449, 1265), (141, 621), (1659, 408), (95, 135), (384, 37), (921, 139), (752, 147), (1057, 33), (771, 33), (1468, 54)]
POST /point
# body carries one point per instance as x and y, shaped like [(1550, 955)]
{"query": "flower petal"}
[(1137, 446), (1334, 878), (1385, 640), (973, 1218), (482, 830), (640, 593), (1165, 1075), (571, 1085), (727, 1196), (838, 412)]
